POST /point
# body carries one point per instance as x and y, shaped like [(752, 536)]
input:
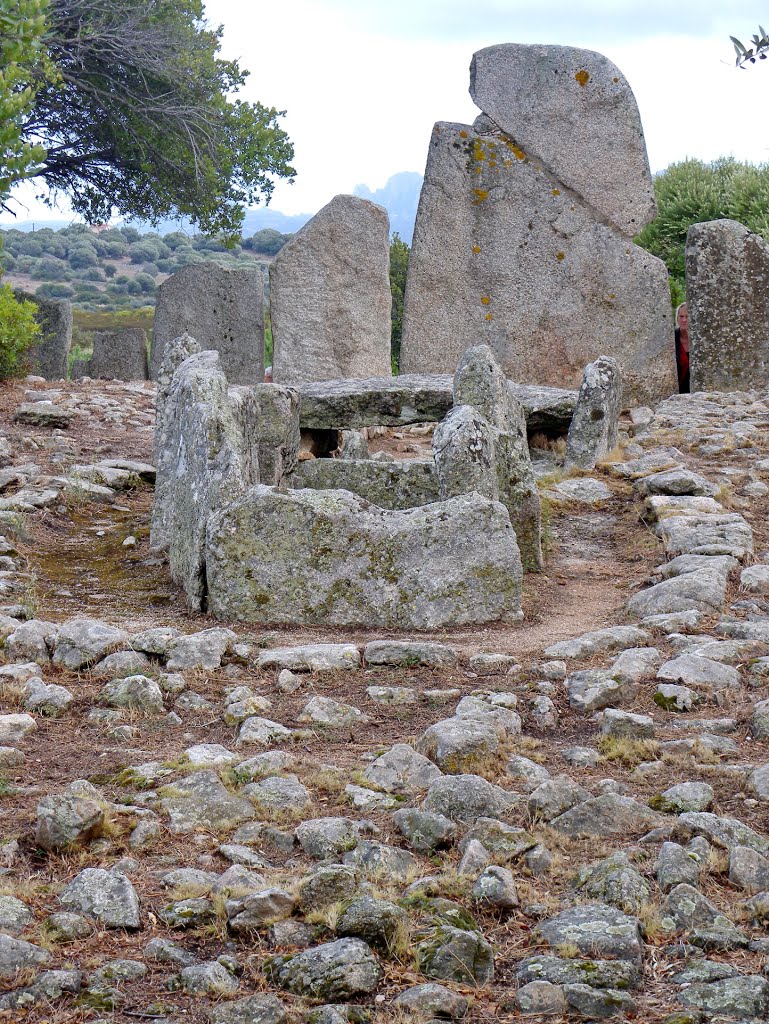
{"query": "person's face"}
[(683, 318)]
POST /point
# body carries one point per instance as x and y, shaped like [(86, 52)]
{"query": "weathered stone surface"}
[(106, 895), (727, 287), (200, 800), (454, 954), (335, 970), (49, 357), (593, 431), (119, 355), (565, 106), (222, 309), (64, 820), (725, 832), (408, 653), (258, 1009), (596, 930), (431, 1001), (726, 534), (402, 770), (418, 398), (387, 484), (16, 956), (482, 446), (702, 590), (466, 798), (278, 437), (547, 291), (607, 815), (330, 296), (328, 557), (206, 457), (566, 971), (743, 998), (311, 658)]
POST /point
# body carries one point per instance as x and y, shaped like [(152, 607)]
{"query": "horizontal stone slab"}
[(417, 398), (387, 484)]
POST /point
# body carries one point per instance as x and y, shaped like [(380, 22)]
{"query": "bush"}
[(18, 331)]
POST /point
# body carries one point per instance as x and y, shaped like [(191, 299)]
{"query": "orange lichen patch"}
[(489, 316), (583, 77), (555, 192), (478, 153), (476, 249), (518, 152), (463, 134), (560, 256), (480, 194), (485, 300), (615, 79)]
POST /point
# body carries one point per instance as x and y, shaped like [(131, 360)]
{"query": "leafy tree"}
[(399, 261), (138, 118), (18, 331), (757, 51), (268, 241), (692, 191), (22, 66)]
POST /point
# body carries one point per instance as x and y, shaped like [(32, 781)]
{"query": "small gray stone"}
[(106, 895)]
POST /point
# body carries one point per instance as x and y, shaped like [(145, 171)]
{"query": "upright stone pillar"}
[(727, 291), (330, 297), (49, 358), (222, 308)]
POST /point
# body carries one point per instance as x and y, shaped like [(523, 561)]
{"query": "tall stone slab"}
[(594, 428), (207, 456), (526, 245), (332, 558), (330, 296), (119, 355), (49, 358), (222, 308), (727, 291), (482, 446)]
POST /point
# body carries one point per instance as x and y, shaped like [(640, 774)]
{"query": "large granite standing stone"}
[(574, 111), (174, 354), (529, 249), (119, 355), (727, 289), (222, 309), (329, 557), (278, 435), (482, 446), (594, 427), (330, 296), (207, 455), (49, 358)]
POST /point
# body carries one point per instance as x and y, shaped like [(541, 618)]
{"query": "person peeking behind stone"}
[(682, 347)]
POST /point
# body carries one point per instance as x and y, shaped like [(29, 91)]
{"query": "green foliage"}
[(22, 66), (758, 50), (399, 261), (267, 242), (140, 119), (18, 330), (691, 192)]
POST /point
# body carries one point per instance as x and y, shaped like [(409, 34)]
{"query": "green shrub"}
[(18, 331)]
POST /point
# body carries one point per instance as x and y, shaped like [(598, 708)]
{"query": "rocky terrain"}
[(560, 819)]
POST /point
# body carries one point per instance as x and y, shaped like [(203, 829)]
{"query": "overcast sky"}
[(363, 81)]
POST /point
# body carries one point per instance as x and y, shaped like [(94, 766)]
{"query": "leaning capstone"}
[(206, 456), (727, 288), (330, 296), (222, 308), (119, 355), (572, 287), (594, 427), (564, 106), (328, 557)]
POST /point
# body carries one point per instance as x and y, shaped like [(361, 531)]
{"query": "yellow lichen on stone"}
[(489, 316), (476, 249), (555, 192), (485, 300), (560, 256), (463, 134), (480, 194), (583, 77)]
